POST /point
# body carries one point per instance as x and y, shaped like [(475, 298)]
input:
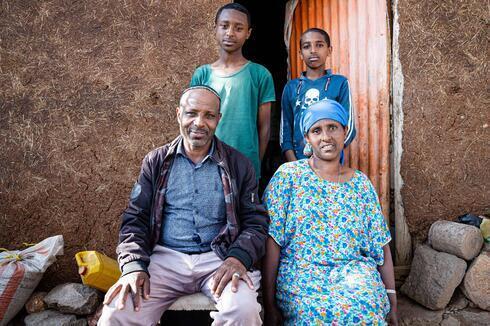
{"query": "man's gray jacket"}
[(244, 234)]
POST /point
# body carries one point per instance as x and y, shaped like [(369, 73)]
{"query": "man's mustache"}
[(199, 130)]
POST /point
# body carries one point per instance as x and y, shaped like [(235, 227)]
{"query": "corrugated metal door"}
[(359, 34)]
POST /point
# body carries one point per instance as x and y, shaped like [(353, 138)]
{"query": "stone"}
[(469, 317), (53, 318), (411, 313), (433, 277), (486, 247), (458, 301), (462, 240), (472, 305), (476, 283), (73, 298), (36, 302), (94, 318), (450, 321)]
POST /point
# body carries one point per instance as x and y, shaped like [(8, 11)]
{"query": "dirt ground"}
[(446, 157), (88, 88)]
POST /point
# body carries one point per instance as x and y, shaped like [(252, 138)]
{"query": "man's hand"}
[(231, 269), (136, 283)]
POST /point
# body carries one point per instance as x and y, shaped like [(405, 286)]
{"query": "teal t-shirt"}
[(242, 92)]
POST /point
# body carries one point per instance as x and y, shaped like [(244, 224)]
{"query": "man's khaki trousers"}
[(174, 274)]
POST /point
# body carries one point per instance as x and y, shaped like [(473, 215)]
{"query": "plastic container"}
[(97, 270)]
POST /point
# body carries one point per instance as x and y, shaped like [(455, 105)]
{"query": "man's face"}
[(232, 30), (314, 50), (198, 116)]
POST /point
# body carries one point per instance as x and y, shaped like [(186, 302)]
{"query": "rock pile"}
[(68, 304), (440, 267)]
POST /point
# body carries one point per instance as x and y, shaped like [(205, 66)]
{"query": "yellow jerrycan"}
[(97, 270)]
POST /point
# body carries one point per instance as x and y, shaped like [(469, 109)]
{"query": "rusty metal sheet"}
[(359, 34)]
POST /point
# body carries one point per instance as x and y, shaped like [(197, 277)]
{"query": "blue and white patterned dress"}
[(331, 236)]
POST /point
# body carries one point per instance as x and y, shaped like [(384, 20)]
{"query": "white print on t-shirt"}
[(312, 96)]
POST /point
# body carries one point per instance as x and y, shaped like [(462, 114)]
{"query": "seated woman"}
[(328, 261)]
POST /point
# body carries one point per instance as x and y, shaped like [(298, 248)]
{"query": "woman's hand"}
[(273, 316), (392, 317), (388, 276)]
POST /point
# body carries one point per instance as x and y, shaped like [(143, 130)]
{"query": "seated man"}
[(194, 223)]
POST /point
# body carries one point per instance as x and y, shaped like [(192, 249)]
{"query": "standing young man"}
[(246, 88)]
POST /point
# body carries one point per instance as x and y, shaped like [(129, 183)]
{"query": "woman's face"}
[(327, 139)]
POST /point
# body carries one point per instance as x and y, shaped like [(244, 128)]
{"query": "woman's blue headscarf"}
[(325, 109)]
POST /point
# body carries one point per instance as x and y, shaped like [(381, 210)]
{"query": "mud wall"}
[(87, 89), (446, 157)]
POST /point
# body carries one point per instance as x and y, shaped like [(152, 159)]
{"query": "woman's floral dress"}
[(331, 236)]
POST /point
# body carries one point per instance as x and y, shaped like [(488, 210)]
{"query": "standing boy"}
[(313, 85), (246, 88)]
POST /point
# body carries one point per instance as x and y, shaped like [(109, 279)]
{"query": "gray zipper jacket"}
[(244, 234)]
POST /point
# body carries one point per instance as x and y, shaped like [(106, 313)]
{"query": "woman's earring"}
[(308, 151)]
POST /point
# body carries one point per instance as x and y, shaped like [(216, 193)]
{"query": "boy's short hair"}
[(237, 7), (317, 30)]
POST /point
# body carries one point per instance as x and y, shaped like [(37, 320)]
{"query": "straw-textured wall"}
[(446, 156), (87, 89)]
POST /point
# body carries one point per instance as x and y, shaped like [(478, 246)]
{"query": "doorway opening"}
[(266, 47)]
